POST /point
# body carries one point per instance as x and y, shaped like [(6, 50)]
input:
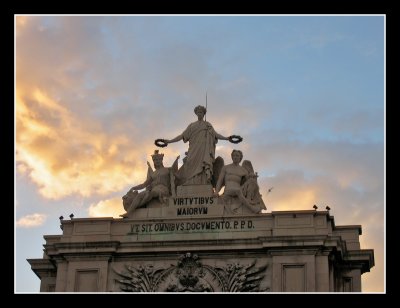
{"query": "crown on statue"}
[(157, 155), (199, 107)]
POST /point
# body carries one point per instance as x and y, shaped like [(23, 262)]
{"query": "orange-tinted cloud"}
[(107, 208), (32, 220), (64, 154)]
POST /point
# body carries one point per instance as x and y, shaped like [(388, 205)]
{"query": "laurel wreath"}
[(235, 139), (160, 143)]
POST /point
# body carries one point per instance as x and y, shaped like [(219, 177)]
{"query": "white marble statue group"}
[(199, 167)]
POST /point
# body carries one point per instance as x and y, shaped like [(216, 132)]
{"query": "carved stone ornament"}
[(190, 275)]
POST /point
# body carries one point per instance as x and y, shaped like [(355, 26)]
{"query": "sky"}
[(306, 93)]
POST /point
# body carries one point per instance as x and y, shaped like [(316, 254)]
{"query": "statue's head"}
[(200, 108), (237, 152), (157, 158)]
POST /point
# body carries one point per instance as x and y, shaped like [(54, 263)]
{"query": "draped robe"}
[(201, 154)]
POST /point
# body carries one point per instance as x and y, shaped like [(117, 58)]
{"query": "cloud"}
[(31, 221), (107, 208), (350, 163), (65, 155)]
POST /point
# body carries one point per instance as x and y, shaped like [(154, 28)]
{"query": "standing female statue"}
[(201, 154)]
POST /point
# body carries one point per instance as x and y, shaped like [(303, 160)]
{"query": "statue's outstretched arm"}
[(177, 138), (232, 138), (220, 137)]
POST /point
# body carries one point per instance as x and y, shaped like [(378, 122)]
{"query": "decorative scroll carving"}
[(190, 275)]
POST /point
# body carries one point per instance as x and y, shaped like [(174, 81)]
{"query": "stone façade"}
[(159, 251)]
